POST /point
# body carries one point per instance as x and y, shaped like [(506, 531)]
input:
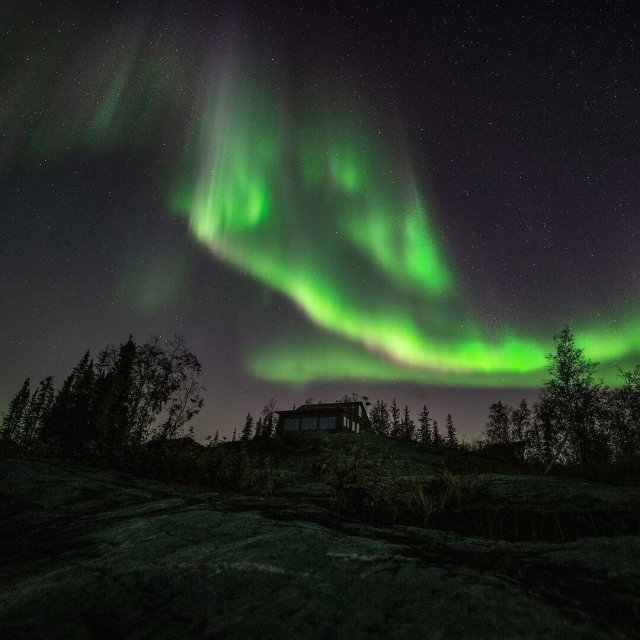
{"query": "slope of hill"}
[(89, 553)]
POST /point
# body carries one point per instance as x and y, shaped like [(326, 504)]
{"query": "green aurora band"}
[(317, 206), (314, 202)]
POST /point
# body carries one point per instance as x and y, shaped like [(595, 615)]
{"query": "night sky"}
[(375, 198)]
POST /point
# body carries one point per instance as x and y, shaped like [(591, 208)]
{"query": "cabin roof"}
[(348, 407)]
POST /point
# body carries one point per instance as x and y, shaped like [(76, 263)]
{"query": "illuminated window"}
[(344, 421), (360, 410), (291, 424)]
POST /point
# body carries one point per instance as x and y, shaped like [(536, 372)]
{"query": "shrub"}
[(446, 491), (359, 484)]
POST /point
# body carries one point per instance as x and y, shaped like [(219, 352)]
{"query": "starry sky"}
[(388, 199)]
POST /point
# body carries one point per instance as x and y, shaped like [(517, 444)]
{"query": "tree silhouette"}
[(395, 420), (70, 424), (380, 418), (39, 406), (622, 410), (451, 438), (437, 438), (573, 393), (258, 432), (247, 429), (498, 424), (13, 422), (268, 419), (115, 397), (407, 426), (520, 419), (425, 426), (182, 397)]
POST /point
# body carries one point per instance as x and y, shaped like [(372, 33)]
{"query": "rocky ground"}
[(86, 553)]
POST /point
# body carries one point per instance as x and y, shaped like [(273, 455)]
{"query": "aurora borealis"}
[(425, 210)]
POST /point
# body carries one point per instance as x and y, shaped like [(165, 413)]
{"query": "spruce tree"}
[(39, 407), (70, 423), (113, 407), (13, 422), (83, 413), (408, 425), (451, 439), (258, 432), (247, 430), (233, 437), (395, 420), (380, 418), (437, 438), (425, 426), (55, 423), (374, 416)]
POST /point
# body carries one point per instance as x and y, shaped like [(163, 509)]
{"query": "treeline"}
[(386, 419), (262, 429), (389, 420), (576, 418), (125, 397)]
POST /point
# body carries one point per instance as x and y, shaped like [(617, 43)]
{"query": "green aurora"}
[(314, 201), (318, 206)]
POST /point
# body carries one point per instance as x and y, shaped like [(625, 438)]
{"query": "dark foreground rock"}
[(94, 554)]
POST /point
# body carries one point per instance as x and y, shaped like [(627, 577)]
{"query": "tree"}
[(451, 438), (117, 399), (534, 438), (13, 423), (380, 418), (498, 424), (144, 392), (425, 426), (520, 419), (573, 392), (395, 420), (407, 426), (268, 419), (622, 407), (247, 429), (258, 432), (437, 438), (182, 398), (39, 406), (70, 424)]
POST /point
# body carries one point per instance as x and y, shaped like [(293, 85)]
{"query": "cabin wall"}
[(338, 420)]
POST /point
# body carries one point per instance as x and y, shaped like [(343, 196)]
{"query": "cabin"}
[(328, 416)]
